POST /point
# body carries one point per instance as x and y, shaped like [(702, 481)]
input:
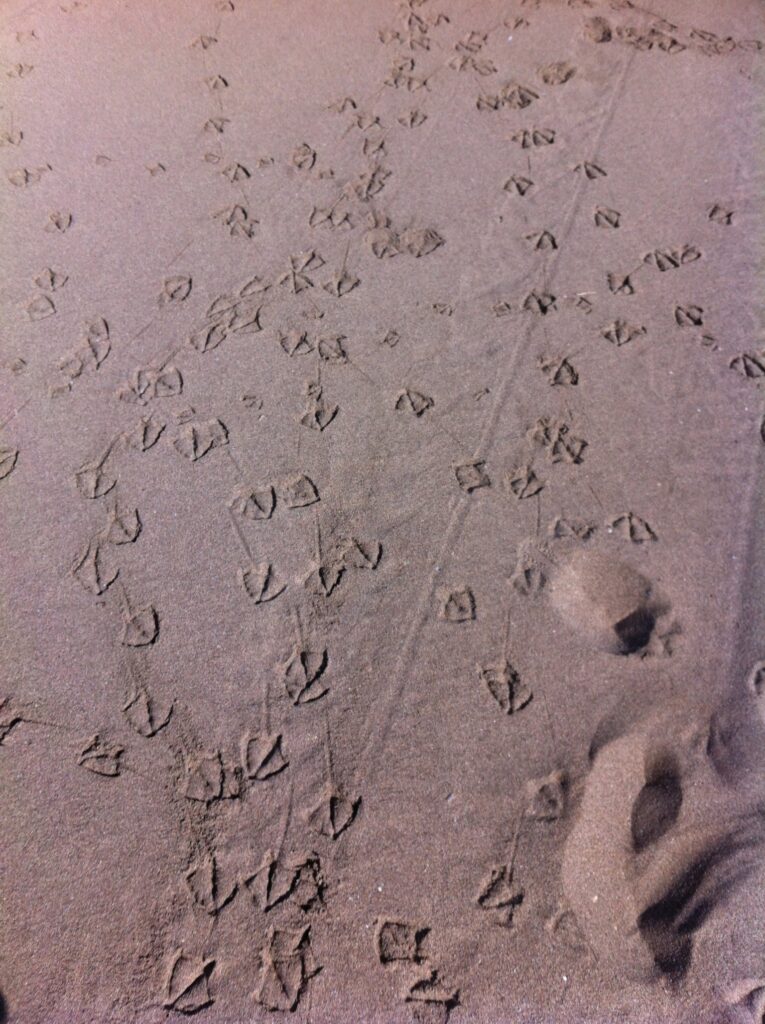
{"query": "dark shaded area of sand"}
[(381, 490)]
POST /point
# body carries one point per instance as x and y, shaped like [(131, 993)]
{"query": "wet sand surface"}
[(381, 489)]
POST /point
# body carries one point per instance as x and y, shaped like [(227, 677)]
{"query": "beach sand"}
[(381, 489)]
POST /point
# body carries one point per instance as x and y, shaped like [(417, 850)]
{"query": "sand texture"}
[(381, 507)]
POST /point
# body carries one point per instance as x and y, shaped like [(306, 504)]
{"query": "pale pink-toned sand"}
[(364, 161)]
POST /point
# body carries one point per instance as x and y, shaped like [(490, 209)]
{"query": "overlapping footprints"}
[(145, 714), (86, 357), (101, 756), (297, 878), (400, 947), (238, 220), (456, 605), (94, 567), (187, 983), (261, 583), (286, 962), (500, 893), (208, 778), (297, 277), (258, 503), (302, 674), (505, 685), (237, 314), (554, 436), (385, 241), (205, 887), (149, 383), (344, 555)]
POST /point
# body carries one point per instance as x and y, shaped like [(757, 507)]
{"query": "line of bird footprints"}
[(96, 479), (286, 962), (94, 570), (295, 882), (458, 604), (240, 315)]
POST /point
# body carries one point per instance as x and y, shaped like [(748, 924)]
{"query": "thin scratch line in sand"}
[(377, 735), (608, 116), (378, 730), (23, 11), (15, 413), (183, 250), (238, 531), (749, 591)]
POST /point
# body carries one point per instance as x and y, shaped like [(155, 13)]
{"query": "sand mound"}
[(660, 842), (606, 601)]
